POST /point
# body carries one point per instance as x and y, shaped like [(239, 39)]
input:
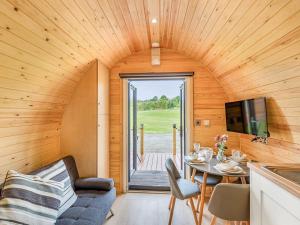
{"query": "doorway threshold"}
[(152, 180)]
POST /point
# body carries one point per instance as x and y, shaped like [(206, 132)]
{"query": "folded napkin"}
[(227, 166), (193, 160), (239, 159)]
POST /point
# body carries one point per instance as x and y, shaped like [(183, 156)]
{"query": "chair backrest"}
[(231, 202), (174, 175)]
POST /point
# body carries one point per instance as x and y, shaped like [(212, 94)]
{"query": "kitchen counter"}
[(274, 194), (287, 184)]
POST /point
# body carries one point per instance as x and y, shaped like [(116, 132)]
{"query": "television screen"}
[(248, 116)]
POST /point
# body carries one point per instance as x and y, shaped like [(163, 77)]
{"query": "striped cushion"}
[(59, 172), (30, 200)]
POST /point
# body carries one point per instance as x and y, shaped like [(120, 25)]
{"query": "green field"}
[(159, 121)]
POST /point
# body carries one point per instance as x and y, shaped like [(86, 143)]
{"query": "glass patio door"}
[(182, 124), (132, 129)]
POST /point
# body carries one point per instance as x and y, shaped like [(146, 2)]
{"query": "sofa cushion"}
[(58, 172), (29, 199), (70, 165), (91, 208), (93, 183)]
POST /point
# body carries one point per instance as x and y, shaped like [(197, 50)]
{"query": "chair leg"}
[(213, 220), (194, 210), (198, 202), (111, 214), (172, 210), (203, 188), (171, 199)]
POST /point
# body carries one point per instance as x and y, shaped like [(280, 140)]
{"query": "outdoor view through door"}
[(156, 131)]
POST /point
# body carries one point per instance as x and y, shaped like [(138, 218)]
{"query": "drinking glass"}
[(197, 147), (208, 155), (236, 155)]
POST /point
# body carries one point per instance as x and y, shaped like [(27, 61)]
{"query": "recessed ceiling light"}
[(155, 45), (154, 20)]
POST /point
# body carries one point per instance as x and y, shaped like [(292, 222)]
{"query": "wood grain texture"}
[(252, 47), (153, 209), (103, 122), (79, 124), (209, 99)]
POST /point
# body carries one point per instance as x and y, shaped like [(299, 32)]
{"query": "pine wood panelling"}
[(265, 62), (79, 124), (209, 99), (252, 47), (103, 122)]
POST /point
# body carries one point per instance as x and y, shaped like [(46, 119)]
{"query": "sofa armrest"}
[(104, 184)]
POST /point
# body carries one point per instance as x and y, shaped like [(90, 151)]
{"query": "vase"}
[(220, 155)]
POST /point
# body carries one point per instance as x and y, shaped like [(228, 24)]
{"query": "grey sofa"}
[(95, 197)]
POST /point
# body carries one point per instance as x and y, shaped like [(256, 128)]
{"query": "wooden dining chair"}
[(230, 202), (180, 189)]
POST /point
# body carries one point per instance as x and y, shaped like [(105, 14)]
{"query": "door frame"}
[(189, 128)]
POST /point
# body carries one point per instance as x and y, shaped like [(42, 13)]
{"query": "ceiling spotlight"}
[(155, 45), (154, 20)]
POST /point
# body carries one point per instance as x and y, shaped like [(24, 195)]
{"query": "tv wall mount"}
[(261, 139)]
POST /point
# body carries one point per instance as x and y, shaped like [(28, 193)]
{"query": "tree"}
[(163, 97), (155, 98), (159, 103)]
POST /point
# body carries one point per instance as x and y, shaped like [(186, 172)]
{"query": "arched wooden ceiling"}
[(220, 33), (251, 46)]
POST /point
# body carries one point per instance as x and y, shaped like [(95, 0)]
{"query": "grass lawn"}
[(159, 121)]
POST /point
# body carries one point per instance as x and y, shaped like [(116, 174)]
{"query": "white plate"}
[(234, 170), (195, 161)]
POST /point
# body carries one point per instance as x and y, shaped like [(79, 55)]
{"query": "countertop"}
[(284, 183)]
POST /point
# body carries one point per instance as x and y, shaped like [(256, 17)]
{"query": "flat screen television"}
[(248, 117)]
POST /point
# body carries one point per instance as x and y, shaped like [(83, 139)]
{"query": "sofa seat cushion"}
[(90, 208)]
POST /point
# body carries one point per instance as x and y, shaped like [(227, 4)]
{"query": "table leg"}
[(226, 179), (202, 200), (243, 179), (193, 175)]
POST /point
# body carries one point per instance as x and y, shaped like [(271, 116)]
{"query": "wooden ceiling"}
[(251, 46), (70, 33)]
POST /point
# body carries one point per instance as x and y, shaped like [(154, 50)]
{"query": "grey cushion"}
[(188, 189), (180, 188), (211, 180), (29, 199), (104, 184), (59, 172), (91, 208)]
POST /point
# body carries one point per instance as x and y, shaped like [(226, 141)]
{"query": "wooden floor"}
[(156, 161), (152, 209)]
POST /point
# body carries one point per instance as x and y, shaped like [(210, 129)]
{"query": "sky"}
[(149, 89)]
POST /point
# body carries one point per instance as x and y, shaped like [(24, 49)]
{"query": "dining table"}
[(209, 168)]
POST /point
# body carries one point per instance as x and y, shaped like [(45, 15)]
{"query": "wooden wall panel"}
[(79, 124), (103, 122), (265, 63), (209, 99), (250, 46)]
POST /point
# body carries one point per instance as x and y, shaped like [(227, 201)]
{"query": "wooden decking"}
[(156, 161), (151, 173)]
